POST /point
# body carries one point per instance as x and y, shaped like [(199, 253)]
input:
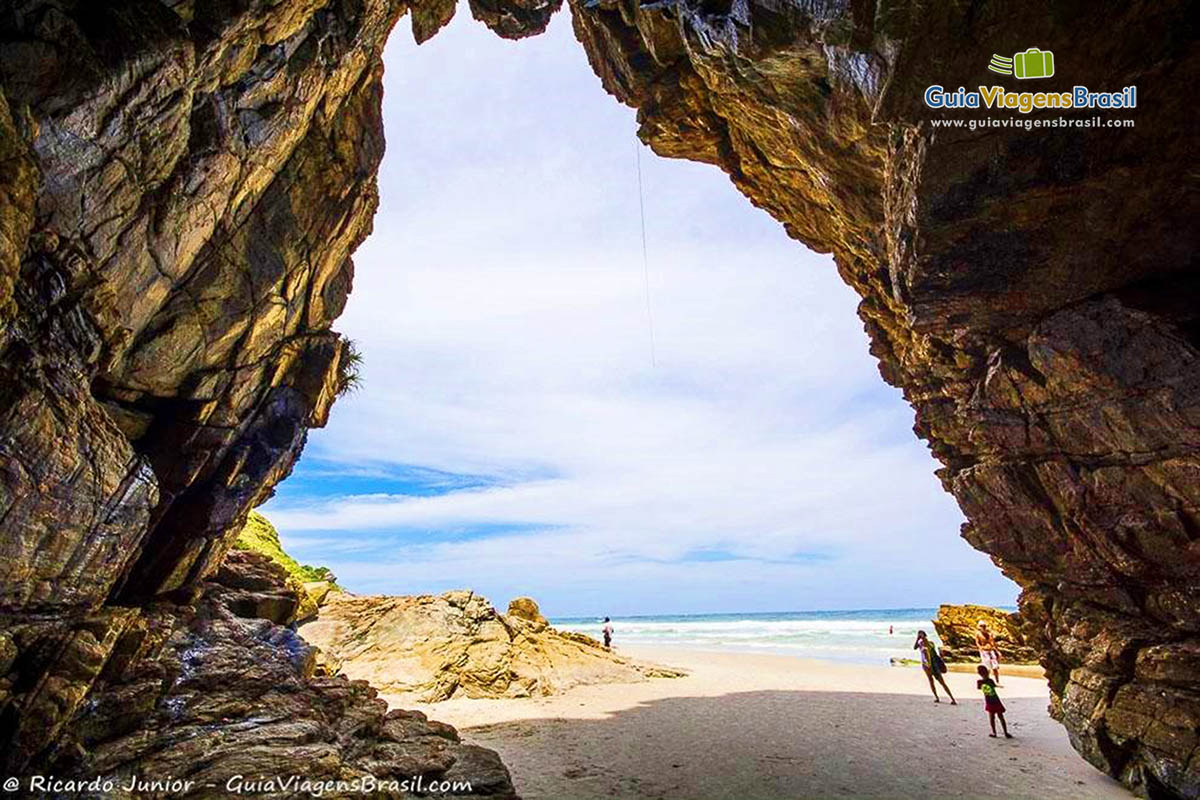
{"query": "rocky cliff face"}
[(216, 692), (425, 649), (1032, 292), (182, 184), (956, 627)]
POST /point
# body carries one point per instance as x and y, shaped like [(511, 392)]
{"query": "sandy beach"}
[(772, 726)]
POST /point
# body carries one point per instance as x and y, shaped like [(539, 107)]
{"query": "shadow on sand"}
[(795, 744)]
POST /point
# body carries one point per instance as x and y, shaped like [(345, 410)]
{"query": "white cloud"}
[(500, 307)]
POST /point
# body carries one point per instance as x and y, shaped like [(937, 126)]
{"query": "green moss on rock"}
[(260, 536)]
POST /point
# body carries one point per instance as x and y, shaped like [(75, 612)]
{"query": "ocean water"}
[(856, 636)]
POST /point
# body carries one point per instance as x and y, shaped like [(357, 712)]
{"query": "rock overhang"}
[(1029, 293)]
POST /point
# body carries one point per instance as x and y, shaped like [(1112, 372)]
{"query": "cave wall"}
[(182, 184), (1034, 294)]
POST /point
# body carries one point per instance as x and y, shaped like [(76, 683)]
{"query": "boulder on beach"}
[(429, 648), (527, 609), (956, 626)]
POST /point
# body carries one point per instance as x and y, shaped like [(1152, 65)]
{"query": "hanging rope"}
[(637, 155)]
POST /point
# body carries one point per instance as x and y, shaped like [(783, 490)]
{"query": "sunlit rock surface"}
[(956, 627), (182, 184), (430, 648)]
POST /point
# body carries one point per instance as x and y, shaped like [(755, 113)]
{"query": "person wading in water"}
[(607, 631), (933, 665)]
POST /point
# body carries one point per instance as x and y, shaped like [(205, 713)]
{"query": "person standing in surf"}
[(607, 630), (933, 665)]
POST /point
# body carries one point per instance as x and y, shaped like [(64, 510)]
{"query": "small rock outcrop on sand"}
[(956, 627), (429, 648)]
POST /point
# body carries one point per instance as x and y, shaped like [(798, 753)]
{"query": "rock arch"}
[(182, 184)]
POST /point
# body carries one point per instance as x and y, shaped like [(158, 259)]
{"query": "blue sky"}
[(512, 435)]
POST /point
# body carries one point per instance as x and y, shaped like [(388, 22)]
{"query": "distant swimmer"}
[(607, 630), (891, 630)]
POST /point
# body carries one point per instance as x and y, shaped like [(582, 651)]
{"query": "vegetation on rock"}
[(349, 369), (259, 536), (310, 584)]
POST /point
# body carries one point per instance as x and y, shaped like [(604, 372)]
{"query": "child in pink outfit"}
[(991, 702)]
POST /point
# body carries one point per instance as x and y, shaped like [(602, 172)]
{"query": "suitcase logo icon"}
[(1033, 63)]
